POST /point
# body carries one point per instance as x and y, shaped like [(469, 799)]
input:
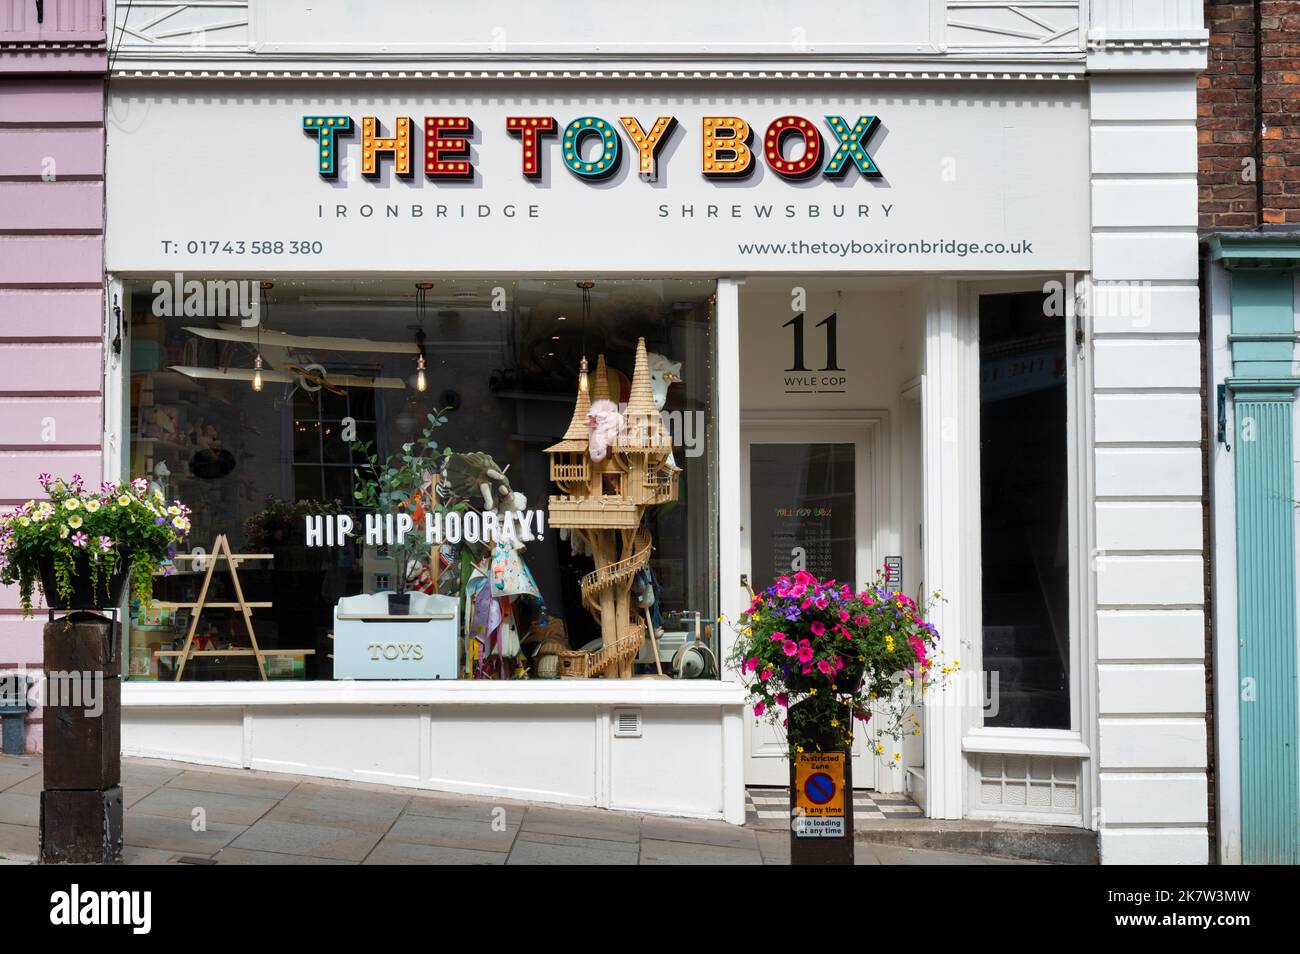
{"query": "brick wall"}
[(1248, 107), (1226, 110), (1279, 101)]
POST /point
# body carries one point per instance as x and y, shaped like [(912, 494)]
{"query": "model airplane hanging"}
[(280, 339), (285, 377)]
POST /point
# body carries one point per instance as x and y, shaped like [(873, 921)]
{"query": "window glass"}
[(802, 501), (345, 413), (1024, 513)]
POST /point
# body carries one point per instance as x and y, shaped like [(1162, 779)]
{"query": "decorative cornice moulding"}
[(937, 39), (240, 72)]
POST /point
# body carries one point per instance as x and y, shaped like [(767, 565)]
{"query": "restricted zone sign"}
[(819, 795)]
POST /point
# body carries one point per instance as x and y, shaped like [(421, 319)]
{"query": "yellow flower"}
[(880, 749), (898, 756), (72, 503), (74, 522), (174, 510), (798, 748), (124, 501), (92, 505), (812, 692), (25, 521), (835, 723), (956, 663)]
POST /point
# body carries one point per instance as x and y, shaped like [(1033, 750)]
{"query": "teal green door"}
[(1266, 628)]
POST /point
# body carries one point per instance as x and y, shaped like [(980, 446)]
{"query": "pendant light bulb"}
[(257, 373), (584, 386), (420, 383)]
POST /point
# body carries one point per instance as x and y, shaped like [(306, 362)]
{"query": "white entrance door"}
[(806, 501)]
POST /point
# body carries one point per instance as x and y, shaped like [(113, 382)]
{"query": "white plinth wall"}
[(549, 742)]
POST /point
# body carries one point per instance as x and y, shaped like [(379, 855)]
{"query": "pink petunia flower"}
[(805, 654), (765, 675), (824, 667), (844, 616), (759, 709), (782, 699), (80, 539), (789, 647), (818, 628)]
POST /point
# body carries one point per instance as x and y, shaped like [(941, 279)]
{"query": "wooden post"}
[(821, 800), (81, 799)]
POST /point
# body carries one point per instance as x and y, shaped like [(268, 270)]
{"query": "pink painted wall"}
[(51, 266)]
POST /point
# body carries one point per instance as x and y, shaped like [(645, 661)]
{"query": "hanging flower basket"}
[(80, 546), (89, 590), (818, 657)]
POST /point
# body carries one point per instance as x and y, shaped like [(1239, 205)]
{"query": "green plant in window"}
[(403, 482), (282, 523)]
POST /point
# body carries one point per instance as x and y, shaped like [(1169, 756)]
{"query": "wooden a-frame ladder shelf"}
[(221, 553)]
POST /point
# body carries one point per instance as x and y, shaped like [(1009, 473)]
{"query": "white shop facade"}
[(870, 325)]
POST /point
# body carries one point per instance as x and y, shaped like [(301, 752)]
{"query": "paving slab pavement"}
[(184, 814)]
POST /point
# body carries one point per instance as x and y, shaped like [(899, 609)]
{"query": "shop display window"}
[(448, 479), (1024, 515)]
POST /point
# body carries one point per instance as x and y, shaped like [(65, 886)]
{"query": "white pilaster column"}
[(950, 427)]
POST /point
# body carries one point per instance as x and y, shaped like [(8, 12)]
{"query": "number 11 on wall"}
[(832, 357)]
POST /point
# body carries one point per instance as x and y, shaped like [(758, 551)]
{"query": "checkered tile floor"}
[(763, 806)]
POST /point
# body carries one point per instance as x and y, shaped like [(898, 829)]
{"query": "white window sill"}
[(598, 692), (1058, 742)]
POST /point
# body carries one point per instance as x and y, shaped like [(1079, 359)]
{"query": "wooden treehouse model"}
[(602, 502)]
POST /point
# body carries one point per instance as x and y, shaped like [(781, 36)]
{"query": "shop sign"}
[(696, 179), (592, 148)]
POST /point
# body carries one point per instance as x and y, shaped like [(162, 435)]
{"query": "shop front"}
[(668, 337)]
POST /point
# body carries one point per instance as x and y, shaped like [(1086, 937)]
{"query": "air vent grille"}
[(627, 723)]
